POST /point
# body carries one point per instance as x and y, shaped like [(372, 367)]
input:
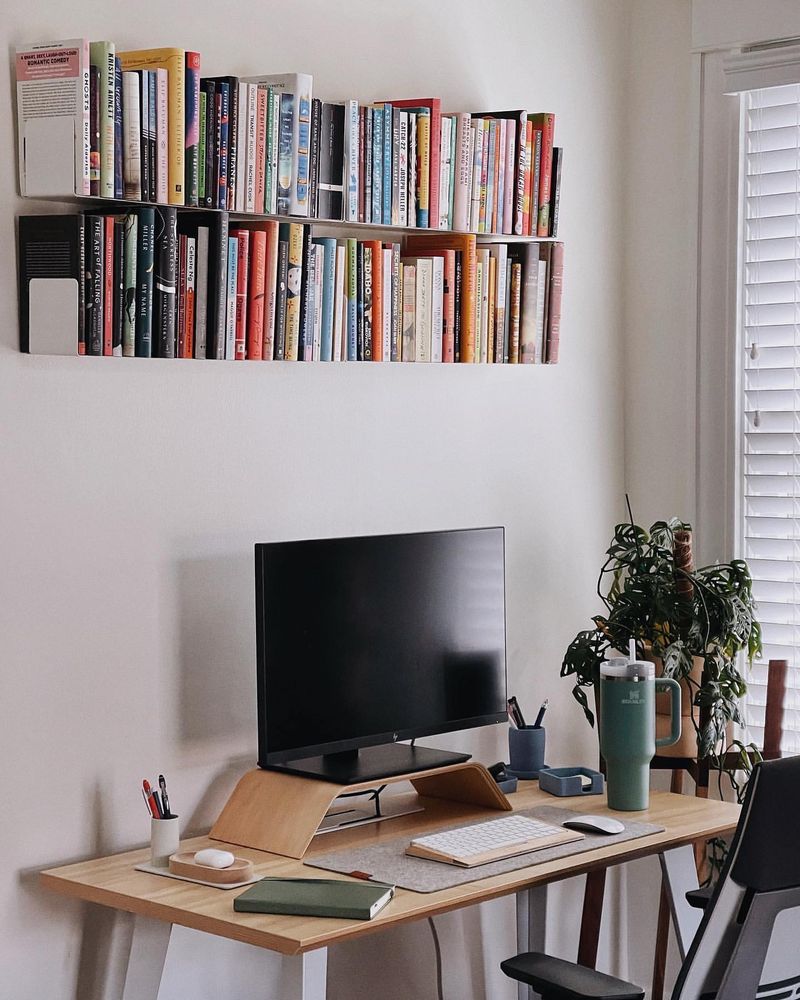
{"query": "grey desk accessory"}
[(564, 781), (526, 751)]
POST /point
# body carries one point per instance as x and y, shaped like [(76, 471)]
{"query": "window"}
[(769, 387)]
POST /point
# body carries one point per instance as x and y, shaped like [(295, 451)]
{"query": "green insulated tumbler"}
[(627, 720)]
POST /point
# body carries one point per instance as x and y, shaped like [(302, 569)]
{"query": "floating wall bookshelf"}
[(241, 219)]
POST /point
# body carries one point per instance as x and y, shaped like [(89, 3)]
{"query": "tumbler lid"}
[(624, 669)]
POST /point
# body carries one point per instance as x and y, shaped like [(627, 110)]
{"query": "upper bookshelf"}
[(245, 218)]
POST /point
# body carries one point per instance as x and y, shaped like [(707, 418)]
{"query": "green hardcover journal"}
[(315, 897)]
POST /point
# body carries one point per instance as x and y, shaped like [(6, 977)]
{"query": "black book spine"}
[(224, 105), (94, 305), (144, 282), (457, 323), (211, 133), (83, 284), (306, 302), (144, 132), (360, 301), (152, 136), (314, 158), (280, 304), (166, 245), (218, 291), (330, 176), (119, 288), (555, 188), (233, 141)]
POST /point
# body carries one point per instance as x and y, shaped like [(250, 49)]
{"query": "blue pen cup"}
[(526, 751)]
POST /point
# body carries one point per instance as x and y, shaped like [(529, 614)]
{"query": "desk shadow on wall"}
[(217, 648)]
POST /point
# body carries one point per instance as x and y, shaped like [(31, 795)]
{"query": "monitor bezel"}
[(266, 757)]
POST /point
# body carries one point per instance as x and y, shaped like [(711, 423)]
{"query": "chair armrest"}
[(555, 979), (700, 898)]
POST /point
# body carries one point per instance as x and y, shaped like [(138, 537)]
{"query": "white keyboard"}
[(490, 841)]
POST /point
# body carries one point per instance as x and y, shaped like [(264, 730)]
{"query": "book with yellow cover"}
[(293, 233), (466, 243), (174, 62)]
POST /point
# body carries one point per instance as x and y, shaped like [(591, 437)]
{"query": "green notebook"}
[(315, 897)]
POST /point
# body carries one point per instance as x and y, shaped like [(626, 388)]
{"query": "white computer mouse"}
[(595, 824), (212, 858)]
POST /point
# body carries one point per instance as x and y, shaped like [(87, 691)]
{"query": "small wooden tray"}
[(184, 864)]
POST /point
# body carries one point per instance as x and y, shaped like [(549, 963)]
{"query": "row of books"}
[(155, 282), (144, 125)]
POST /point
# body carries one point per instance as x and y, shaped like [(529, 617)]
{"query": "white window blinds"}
[(770, 381)]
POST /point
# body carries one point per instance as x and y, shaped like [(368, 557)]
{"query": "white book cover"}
[(444, 172), (319, 270), (230, 300), (201, 293), (53, 118), (477, 163), (351, 149), (131, 137), (275, 146), (411, 206), (300, 86), (191, 282), (463, 172), (386, 305), (541, 288), (162, 135), (338, 303), (402, 170), (250, 158), (502, 130), (240, 99), (101, 54), (422, 307), (437, 308)]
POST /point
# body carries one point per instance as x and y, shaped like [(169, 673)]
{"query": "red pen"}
[(151, 800)]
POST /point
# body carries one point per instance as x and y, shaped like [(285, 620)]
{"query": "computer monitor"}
[(364, 642)]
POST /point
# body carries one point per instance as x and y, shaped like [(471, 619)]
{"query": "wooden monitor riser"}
[(280, 812)]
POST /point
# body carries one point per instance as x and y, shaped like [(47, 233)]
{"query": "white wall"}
[(132, 491)]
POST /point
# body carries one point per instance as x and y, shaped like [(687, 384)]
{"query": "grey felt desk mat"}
[(388, 862)]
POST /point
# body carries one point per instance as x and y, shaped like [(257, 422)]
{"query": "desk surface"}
[(113, 882)]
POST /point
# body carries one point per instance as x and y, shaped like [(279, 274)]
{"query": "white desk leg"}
[(680, 875), (304, 977), (146, 961), (531, 925)]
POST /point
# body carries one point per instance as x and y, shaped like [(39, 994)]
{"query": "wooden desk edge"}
[(469, 894)]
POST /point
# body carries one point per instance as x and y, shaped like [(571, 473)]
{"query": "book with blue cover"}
[(328, 243)]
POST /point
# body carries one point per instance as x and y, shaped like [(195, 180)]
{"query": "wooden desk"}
[(160, 902)]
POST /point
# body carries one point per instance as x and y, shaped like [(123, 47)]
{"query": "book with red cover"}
[(255, 305), (243, 258), (376, 248), (520, 117), (547, 123), (435, 105)]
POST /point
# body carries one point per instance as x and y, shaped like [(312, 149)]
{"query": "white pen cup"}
[(164, 840)]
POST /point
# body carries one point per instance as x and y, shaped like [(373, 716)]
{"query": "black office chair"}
[(761, 878)]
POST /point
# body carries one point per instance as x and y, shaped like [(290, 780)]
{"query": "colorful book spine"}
[(271, 291), (402, 170), (477, 165), (231, 288), (256, 299), (279, 352), (190, 299), (294, 236), (223, 107), (340, 306), (529, 167), (94, 131), (386, 166), (285, 156), (395, 344), (130, 240), (516, 306), (108, 285), (328, 275), (242, 237), (408, 348), (536, 173), (210, 88), (201, 151), (395, 167), (423, 190), (261, 150), (352, 298), (437, 307), (102, 55), (508, 189), (547, 123), (367, 298), (152, 133), (162, 136), (374, 301), (94, 297), (192, 129), (463, 172), (377, 165), (202, 300)]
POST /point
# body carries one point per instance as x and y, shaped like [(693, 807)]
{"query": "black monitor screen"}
[(363, 641)]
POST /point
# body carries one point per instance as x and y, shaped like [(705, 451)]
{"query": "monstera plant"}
[(683, 617)]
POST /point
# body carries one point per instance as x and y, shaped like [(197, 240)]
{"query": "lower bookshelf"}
[(151, 281)]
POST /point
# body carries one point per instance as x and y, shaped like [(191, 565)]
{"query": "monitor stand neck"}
[(353, 767)]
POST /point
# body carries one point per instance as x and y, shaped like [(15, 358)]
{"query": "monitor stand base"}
[(353, 767), (280, 812)]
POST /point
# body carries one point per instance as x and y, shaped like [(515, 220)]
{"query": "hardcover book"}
[(331, 182), (356, 900)]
